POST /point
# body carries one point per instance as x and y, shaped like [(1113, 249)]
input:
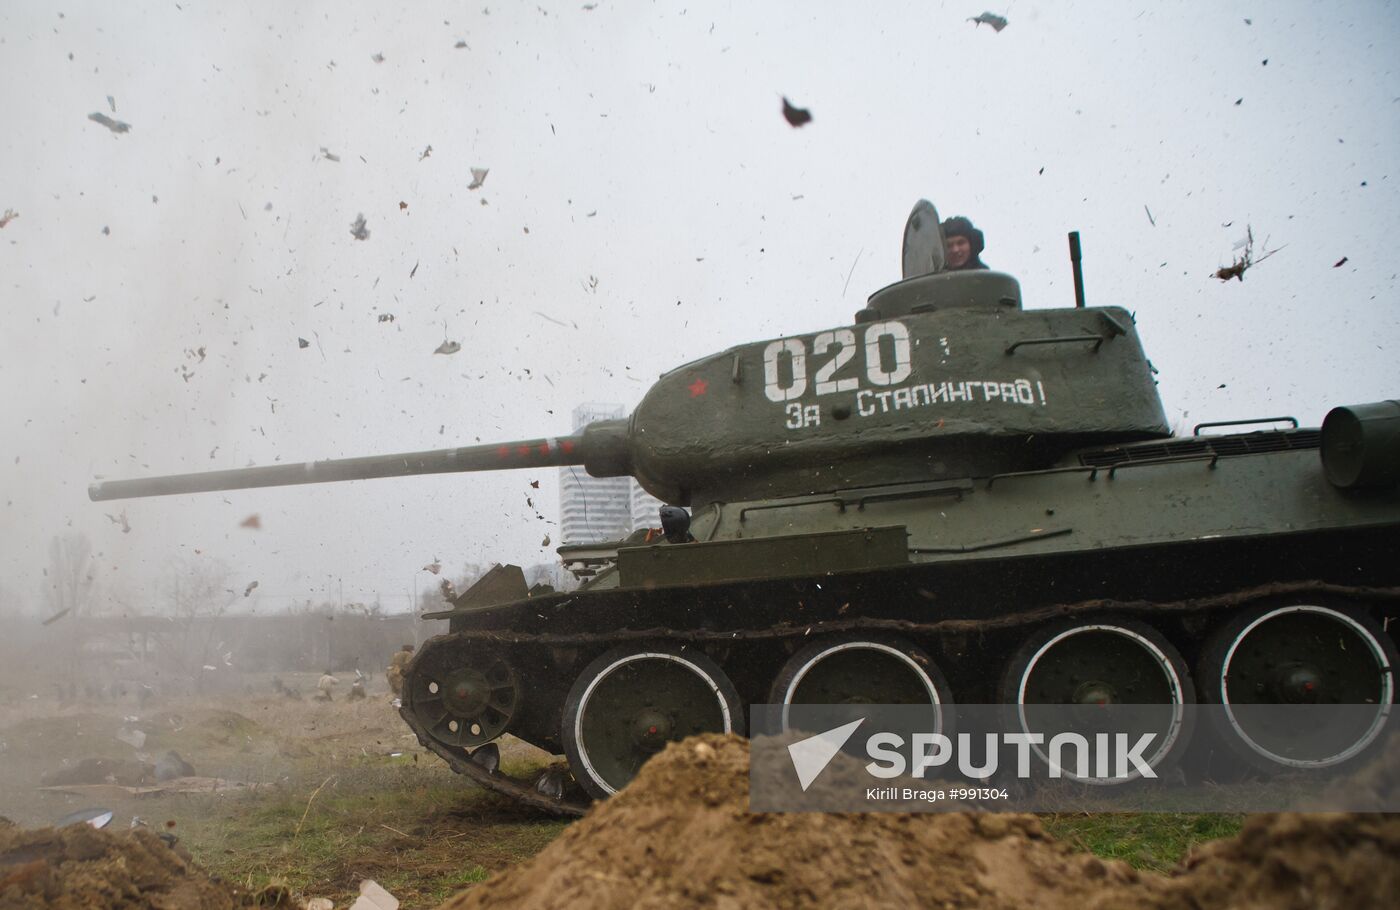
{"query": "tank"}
[(952, 499)]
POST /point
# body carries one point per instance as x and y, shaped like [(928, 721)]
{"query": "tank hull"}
[(967, 573)]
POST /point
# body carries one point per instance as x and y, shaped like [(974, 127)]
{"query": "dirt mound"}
[(1283, 862), (681, 835), (80, 867)]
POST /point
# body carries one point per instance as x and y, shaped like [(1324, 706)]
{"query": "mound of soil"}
[(81, 867), (681, 835)]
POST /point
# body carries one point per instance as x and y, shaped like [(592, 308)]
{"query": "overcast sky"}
[(646, 204)]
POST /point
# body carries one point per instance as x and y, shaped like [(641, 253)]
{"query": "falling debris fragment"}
[(386, 317), (996, 22), (249, 590), (303, 343), (252, 521), (112, 103), (403, 206), (106, 231), (56, 617), (1150, 219), (545, 542), (1339, 263), (326, 153), (448, 347), (115, 126), (10, 215), (795, 116), (378, 58), (478, 177), (1246, 260), (358, 229), (414, 271), (426, 153), (449, 591), (460, 44), (119, 520), (435, 566), (535, 484)]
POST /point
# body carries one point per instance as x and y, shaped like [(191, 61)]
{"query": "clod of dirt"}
[(81, 867), (681, 835)]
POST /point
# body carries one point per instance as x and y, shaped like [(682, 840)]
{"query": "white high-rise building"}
[(646, 508), (593, 509)]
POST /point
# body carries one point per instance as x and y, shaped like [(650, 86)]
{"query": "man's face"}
[(957, 251)]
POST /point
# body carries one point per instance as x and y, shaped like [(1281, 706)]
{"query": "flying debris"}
[(996, 22), (358, 229), (1246, 260), (478, 177), (249, 590), (1339, 263), (426, 152), (378, 58), (795, 116), (448, 347), (386, 317), (56, 617), (303, 343), (112, 103), (115, 126), (545, 542), (10, 215), (461, 44), (414, 271), (119, 520), (326, 154), (535, 484), (449, 591), (435, 566), (252, 521)]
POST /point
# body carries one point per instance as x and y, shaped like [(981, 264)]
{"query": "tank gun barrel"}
[(530, 453)]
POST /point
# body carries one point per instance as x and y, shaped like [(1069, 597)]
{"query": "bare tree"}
[(70, 577), (196, 591)]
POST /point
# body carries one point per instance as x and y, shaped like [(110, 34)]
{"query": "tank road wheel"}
[(626, 705), (1109, 662), (463, 700), (1301, 654), (857, 669)]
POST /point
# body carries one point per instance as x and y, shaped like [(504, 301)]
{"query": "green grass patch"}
[(1147, 841), (422, 833)]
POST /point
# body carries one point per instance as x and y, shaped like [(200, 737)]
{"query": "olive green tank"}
[(952, 499)]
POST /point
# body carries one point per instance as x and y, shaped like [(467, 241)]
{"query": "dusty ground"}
[(320, 796), (335, 792)]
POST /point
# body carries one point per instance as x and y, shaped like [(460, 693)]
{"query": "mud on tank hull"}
[(1168, 567)]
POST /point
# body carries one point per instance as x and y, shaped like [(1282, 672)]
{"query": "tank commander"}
[(962, 245), (397, 663)]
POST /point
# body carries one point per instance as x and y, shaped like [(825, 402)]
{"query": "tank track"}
[(525, 793)]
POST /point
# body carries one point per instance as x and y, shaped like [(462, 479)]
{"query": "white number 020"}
[(839, 348)]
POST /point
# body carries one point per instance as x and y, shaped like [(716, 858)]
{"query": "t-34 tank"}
[(952, 499)]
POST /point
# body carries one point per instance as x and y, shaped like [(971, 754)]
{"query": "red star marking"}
[(544, 448), (567, 446), (523, 450), (698, 388), (503, 452)]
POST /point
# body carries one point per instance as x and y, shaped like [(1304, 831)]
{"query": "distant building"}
[(646, 508), (596, 509), (593, 509)]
